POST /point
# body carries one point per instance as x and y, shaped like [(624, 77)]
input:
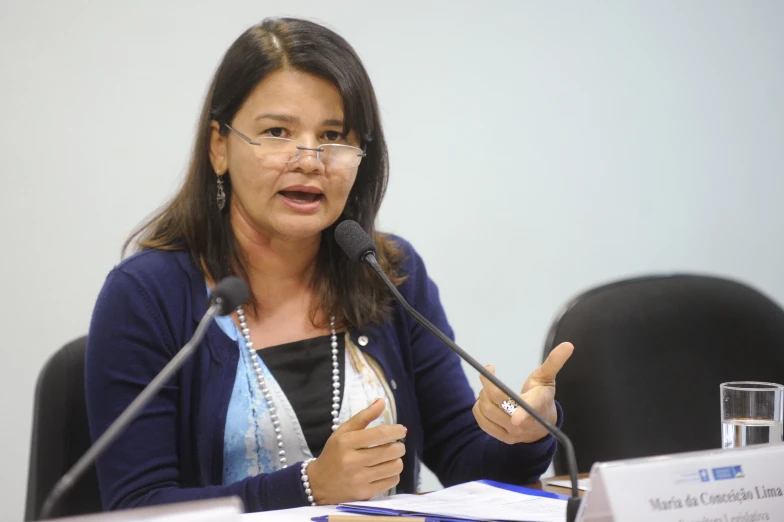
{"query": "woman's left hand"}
[(538, 391)]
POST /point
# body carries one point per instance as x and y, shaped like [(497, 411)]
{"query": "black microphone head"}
[(229, 293), (354, 241)]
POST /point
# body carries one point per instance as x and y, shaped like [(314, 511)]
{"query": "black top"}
[(303, 370)]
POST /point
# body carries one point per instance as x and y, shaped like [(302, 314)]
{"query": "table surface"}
[(555, 489)]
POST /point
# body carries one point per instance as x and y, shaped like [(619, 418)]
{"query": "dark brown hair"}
[(192, 222)]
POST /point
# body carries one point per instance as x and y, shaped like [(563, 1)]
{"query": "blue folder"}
[(435, 518)]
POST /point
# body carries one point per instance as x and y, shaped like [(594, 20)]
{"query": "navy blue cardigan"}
[(149, 307)]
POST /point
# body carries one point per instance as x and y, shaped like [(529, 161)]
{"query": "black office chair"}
[(61, 435), (649, 356)]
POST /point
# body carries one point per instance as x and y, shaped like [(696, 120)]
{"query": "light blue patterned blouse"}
[(250, 443)]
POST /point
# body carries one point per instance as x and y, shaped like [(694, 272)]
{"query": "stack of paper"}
[(482, 500)]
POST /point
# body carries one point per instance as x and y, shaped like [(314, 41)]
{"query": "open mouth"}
[(301, 197)]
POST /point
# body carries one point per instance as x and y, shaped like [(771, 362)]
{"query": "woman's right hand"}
[(358, 462)]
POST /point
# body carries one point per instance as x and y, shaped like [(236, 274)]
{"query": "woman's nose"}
[(308, 159)]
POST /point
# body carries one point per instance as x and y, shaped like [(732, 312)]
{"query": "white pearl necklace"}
[(268, 396)]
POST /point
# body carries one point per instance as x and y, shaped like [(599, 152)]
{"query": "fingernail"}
[(375, 402), (405, 429)]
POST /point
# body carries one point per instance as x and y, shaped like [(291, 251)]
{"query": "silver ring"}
[(509, 406)]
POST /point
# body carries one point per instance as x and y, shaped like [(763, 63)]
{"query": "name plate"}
[(727, 485)]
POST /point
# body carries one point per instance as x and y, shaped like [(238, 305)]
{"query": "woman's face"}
[(301, 198)]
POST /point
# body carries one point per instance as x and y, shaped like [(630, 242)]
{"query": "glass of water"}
[(751, 413)]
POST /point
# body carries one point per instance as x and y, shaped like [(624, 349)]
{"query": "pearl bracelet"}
[(306, 482)]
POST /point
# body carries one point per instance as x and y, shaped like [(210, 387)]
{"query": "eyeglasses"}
[(279, 152)]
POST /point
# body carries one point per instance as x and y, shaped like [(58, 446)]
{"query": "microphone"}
[(227, 295), (359, 247)]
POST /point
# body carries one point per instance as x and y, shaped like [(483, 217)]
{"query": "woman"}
[(320, 362)]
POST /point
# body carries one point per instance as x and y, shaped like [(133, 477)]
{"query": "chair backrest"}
[(649, 356), (61, 435)]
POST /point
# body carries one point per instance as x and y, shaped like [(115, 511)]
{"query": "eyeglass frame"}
[(361, 154)]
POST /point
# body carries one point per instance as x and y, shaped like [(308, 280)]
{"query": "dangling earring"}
[(221, 194)]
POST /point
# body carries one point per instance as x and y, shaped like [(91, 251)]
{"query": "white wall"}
[(538, 148)]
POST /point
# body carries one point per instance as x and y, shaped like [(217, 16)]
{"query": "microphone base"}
[(572, 507)]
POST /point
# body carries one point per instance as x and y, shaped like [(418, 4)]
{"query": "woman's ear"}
[(218, 153)]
